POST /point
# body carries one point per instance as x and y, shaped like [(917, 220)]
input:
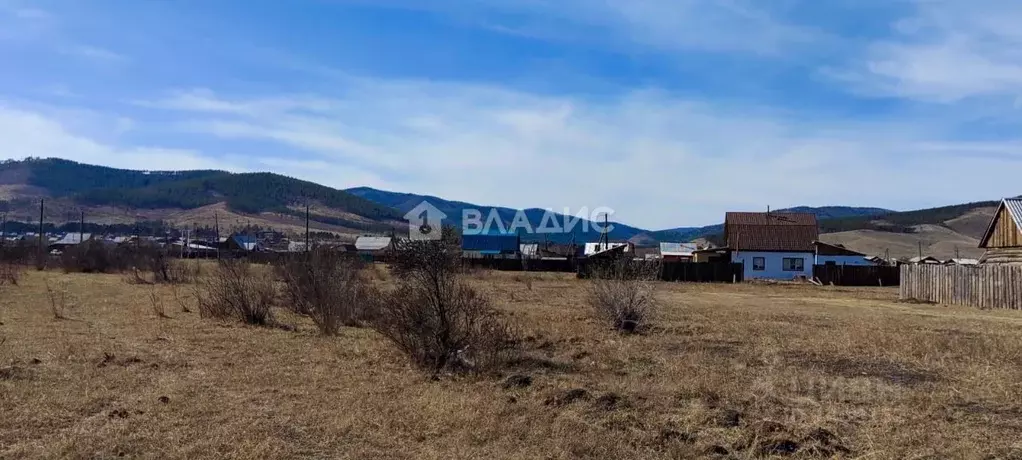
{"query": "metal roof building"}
[(372, 243)]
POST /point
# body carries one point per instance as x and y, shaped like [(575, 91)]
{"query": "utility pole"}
[(957, 254), (920, 250), (81, 229), (216, 230), (307, 226), (42, 209), (3, 229)]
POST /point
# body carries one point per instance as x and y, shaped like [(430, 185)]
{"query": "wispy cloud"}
[(673, 25), (658, 158), (31, 13), (94, 53), (945, 52)]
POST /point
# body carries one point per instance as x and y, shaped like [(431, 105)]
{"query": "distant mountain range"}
[(185, 198)]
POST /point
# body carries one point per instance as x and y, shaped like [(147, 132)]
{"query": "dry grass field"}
[(727, 371)]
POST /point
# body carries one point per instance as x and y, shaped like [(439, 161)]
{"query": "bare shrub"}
[(10, 273), (154, 266), (178, 300), (60, 299), (233, 291), (623, 292), (437, 319), (328, 287), (156, 304), (94, 256)]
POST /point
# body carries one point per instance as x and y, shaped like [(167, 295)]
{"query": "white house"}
[(834, 254), (772, 245)]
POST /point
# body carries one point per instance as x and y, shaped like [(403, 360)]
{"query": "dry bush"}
[(623, 292), (156, 304), (328, 287), (10, 273), (233, 291), (178, 300), (60, 299), (154, 266), (94, 257), (437, 319)]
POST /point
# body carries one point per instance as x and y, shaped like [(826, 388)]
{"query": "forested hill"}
[(247, 193)]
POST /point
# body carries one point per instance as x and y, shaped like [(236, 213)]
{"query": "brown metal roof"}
[(775, 231)]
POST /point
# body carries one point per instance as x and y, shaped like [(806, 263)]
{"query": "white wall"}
[(843, 260), (774, 264)]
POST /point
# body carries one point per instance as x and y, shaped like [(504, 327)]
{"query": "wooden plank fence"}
[(985, 286), (857, 275)]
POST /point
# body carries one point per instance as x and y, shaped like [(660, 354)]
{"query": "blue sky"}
[(670, 112)]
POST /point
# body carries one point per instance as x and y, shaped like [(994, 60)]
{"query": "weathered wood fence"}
[(991, 286), (857, 275)]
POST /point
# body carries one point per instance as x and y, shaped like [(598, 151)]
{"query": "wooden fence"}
[(704, 272), (991, 286), (857, 275)]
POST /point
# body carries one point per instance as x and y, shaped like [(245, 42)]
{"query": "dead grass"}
[(727, 371)]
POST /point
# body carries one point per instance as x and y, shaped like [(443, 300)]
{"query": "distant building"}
[(490, 245), (374, 248), (69, 240), (968, 262), (836, 254), (678, 252), (529, 250), (925, 260), (239, 243), (772, 245), (1003, 238), (596, 248)]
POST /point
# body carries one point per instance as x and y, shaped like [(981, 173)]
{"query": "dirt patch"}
[(889, 371), (567, 397)]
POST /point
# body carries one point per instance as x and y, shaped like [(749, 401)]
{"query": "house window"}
[(794, 264), (759, 263)]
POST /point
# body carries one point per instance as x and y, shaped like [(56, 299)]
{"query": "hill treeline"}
[(247, 192)]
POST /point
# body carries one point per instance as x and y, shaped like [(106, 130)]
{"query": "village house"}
[(772, 245), (1003, 238)]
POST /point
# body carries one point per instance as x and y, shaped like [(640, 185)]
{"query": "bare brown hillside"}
[(62, 210), (940, 242), (973, 223)]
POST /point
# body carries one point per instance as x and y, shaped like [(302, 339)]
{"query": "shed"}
[(1003, 238), (678, 252), (926, 260), (836, 254), (366, 244)]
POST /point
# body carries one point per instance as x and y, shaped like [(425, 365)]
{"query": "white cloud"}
[(28, 134), (660, 160), (703, 25), (945, 52), (93, 53)]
